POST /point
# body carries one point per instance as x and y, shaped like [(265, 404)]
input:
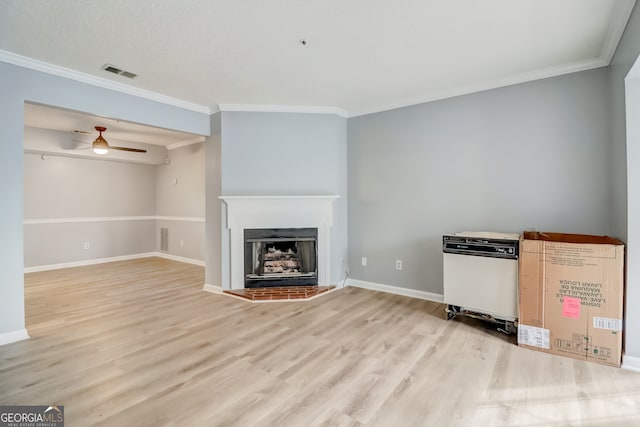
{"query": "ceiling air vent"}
[(116, 70), (128, 74)]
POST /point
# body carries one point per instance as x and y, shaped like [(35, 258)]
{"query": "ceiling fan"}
[(101, 146)]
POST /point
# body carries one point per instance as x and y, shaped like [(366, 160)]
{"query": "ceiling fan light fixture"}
[(100, 145), (100, 148)]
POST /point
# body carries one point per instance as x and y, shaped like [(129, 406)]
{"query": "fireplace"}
[(246, 213), (280, 257)]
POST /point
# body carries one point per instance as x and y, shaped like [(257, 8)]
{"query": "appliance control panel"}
[(492, 248)]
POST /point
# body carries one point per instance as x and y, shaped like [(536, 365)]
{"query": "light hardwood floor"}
[(138, 343)]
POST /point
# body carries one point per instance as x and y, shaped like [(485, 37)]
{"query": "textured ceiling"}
[(360, 55)]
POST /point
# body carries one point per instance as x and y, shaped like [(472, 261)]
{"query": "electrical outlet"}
[(181, 242), (398, 264), (86, 245), (364, 261)]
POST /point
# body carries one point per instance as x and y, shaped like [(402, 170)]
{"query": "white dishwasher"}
[(481, 276)]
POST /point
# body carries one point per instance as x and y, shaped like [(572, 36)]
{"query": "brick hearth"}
[(280, 294)]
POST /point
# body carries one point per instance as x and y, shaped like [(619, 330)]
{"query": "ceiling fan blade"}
[(133, 150), (79, 145)]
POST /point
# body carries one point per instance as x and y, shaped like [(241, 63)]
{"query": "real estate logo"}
[(32, 416)]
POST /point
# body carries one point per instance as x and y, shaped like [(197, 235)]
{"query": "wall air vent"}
[(116, 70), (164, 239)]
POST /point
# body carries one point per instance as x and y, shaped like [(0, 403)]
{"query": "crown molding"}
[(181, 144), (488, 85), (304, 109), (617, 24), (34, 64)]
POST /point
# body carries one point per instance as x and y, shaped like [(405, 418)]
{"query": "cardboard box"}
[(571, 290)]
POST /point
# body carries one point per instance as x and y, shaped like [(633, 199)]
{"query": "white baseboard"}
[(214, 289), (178, 258), (86, 262), (631, 363), (13, 336), (396, 290), (111, 259)]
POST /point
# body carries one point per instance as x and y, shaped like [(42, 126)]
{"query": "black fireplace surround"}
[(280, 257)]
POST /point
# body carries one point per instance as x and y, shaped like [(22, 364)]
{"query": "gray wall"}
[(47, 244), (624, 175), (185, 239), (18, 85), (534, 155), (64, 187), (185, 198), (281, 153), (71, 187), (289, 154)]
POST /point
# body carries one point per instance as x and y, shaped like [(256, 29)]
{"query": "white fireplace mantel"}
[(245, 212)]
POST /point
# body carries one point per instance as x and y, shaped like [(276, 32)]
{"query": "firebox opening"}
[(280, 257)]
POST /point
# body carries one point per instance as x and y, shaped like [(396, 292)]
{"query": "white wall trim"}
[(179, 258), (617, 24), (13, 336), (85, 262), (284, 109), (180, 218), (87, 219), (112, 218), (214, 289), (283, 197), (631, 363), (632, 110), (94, 261), (89, 156), (486, 85), (185, 143), (34, 64), (396, 290)]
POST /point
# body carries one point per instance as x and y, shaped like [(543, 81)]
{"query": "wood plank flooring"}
[(138, 343)]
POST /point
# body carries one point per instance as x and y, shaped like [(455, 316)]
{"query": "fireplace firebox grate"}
[(281, 257)]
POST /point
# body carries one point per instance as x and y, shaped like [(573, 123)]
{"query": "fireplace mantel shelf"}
[(328, 196)]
